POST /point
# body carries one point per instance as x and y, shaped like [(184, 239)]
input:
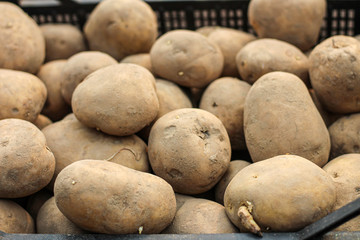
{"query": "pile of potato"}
[(117, 130)]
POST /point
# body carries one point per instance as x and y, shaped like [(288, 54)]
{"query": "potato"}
[(345, 135), (293, 21), (51, 221), (335, 74), (78, 67), (121, 28), (51, 75), (301, 191), (71, 141), (42, 121), (22, 46), (36, 200), (234, 167), (225, 98), (186, 58), (142, 59), (190, 149), (230, 42), (62, 41), (118, 100), (26, 162), (280, 117), (171, 97), (22, 95), (207, 30), (105, 197), (14, 218), (268, 55), (344, 171), (201, 216)]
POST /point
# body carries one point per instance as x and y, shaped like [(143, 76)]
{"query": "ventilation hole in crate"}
[(334, 13)]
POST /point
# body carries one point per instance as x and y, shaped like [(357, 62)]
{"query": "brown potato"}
[(225, 98), (293, 21), (230, 42), (62, 41), (78, 67), (42, 121), (344, 171), (36, 200), (51, 73), (50, 220), (142, 59), (14, 218), (121, 28), (282, 194), (200, 216), (335, 74), (186, 58), (132, 202), (345, 135), (119, 99), (280, 117), (26, 162), (234, 167), (22, 95), (190, 149), (22, 46), (268, 55)]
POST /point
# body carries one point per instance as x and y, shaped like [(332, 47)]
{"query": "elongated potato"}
[(280, 117), (14, 218), (282, 194), (105, 197)]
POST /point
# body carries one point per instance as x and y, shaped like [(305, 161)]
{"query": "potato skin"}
[(15, 219), (26, 162), (268, 55), (344, 135), (22, 95), (22, 46), (124, 102), (190, 149), (50, 220), (335, 74), (105, 197), (225, 98), (142, 59), (301, 191), (186, 58), (200, 216), (344, 171), (279, 107), (121, 28), (42, 121), (293, 21)]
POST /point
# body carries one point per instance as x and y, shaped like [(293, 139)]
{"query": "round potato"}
[(105, 197), (14, 218), (22, 95), (268, 55), (190, 149), (293, 21), (50, 220), (121, 28), (119, 99), (335, 74), (22, 45), (26, 162), (62, 41), (42, 121), (280, 118), (344, 171), (72, 141), (234, 167), (142, 59), (301, 191), (345, 135), (186, 58), (230, 42), (78, 67), (225, 98), (200, 216)]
